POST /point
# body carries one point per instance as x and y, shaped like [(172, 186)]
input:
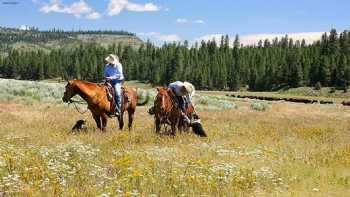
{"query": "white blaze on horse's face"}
[(163, 102), (161, 98)]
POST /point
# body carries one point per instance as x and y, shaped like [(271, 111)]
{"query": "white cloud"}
[(117, 6), (309, 37), (24, 27), (185, 21), (148, 7), (199, 21), (93, 16), (169, 38), (54, 6), (252, 39), (76, 8), (160, 38), (181, 20), (209, 37), (148, 33)]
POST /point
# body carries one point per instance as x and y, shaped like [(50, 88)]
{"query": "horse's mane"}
[(78, 82)]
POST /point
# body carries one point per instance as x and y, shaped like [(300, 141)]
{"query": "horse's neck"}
[(85, 92)]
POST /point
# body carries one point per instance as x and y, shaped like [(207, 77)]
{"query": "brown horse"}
[(96, 97), (166, 111)]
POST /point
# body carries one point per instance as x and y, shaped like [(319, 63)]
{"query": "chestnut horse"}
[(96, 97), (167, 112)]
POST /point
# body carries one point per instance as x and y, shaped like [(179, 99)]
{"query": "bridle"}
[(75, 102)]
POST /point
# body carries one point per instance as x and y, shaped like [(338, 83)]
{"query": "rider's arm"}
[(114, 74)]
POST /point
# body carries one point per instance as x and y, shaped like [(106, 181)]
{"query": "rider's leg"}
[(118, 89), (182, 106)]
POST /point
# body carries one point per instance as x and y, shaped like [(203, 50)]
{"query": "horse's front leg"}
[(97, 119), (104, 119), (131, 118), (181, 126), (158, 125), (174, 127), (121, 120)]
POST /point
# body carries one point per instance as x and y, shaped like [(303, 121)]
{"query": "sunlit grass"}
[(284, 150)]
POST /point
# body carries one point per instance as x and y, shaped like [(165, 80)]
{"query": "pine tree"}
[(324, 72)]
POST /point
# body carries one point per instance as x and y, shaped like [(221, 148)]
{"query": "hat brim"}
[(116, 62)]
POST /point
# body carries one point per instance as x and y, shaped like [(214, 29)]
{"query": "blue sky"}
[(177, 20)]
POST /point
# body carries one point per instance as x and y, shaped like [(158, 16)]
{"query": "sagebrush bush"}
[(30, 90), (258, 105)]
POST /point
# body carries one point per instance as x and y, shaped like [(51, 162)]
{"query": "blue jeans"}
[(117, 84)]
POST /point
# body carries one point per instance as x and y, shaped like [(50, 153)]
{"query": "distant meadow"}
[(52, 92)]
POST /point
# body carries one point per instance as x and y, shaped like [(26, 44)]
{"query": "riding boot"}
[(117, 110)]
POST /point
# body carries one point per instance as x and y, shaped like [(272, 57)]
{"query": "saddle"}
[(110, 91), (175, 100)]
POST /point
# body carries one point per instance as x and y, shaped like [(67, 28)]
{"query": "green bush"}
[(318, 86), (258, 106)]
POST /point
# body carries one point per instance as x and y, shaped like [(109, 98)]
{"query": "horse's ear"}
[(66, 79), (158, 88)]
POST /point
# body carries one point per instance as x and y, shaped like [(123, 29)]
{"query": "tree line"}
[(34, 35), (211, 65)]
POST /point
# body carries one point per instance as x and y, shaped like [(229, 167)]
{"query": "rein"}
[(74, 102)]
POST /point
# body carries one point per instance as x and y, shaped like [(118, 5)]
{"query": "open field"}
[(253, 149)]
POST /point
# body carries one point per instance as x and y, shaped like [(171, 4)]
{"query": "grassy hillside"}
[(34, 39), (283, 150)]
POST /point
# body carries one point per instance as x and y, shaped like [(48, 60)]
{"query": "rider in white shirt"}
[(184, 91), (113, 72)]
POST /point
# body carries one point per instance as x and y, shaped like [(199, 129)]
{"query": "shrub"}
[(332, 90), (318, 86), (258, 106), (214, 103)]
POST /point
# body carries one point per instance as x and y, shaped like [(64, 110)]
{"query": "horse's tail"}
[(141, 95)]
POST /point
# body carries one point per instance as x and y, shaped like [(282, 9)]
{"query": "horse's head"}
[(163, 98), (70, 91), (127, 95)]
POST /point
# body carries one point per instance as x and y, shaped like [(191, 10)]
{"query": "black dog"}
[(197, 127), (80, 125)]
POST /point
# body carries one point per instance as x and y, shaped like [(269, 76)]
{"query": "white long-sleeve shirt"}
[(113, 72)]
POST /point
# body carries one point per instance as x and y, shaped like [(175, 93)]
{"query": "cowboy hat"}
[(189, 88), (112, 59)]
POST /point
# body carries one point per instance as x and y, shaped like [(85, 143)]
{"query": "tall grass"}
[(287, 150)]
